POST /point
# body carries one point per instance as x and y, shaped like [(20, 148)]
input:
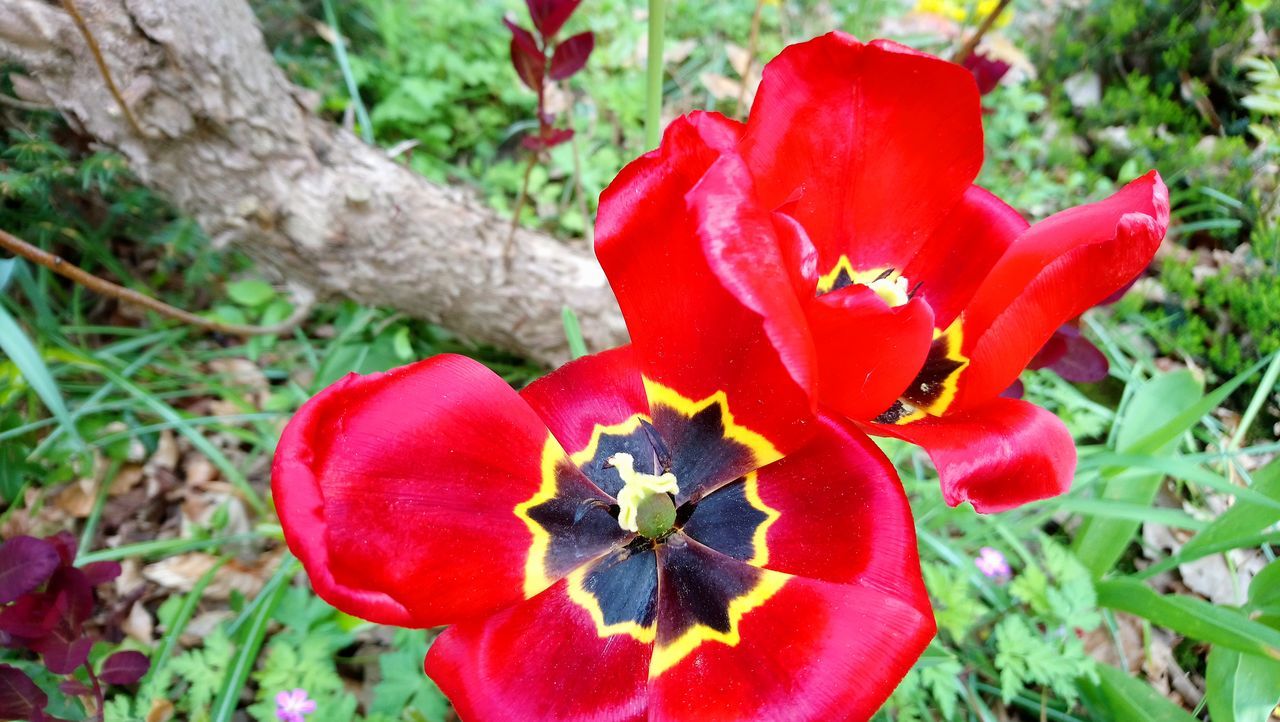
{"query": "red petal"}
[(549, 15), (842, 514), (571, 55), (868, 352), (397, 491), (960, 253), (812, 651), (1054, 272), (541, 660), (602, 389), (690, 332), (874, 144), (999, 455)]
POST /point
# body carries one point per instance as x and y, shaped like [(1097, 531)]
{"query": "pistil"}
[(645, 502)]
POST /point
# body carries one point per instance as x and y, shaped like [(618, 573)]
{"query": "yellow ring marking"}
[(751, 488), (762, 450), (954, 336), (622, 428), (667, 656), (585, 599), (535, 566)]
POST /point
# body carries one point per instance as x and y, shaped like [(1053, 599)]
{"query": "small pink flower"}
[(294, 706), (993, 564)]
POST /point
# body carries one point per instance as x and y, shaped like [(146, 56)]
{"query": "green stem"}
[(653, 74)]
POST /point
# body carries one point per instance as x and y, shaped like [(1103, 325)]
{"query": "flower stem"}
[(653, 74), (972, 43)]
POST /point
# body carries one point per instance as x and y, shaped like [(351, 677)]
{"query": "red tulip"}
[(652, 533), (843, 216)]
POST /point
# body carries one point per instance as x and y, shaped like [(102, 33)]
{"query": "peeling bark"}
[(231, 142)]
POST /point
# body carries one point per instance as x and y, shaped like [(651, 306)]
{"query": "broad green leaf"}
[(250, 292), (1191, 617), (1264, 596), (1241, 687), (23, 353), (1118, 696), (1101, 541), (1245, 518)]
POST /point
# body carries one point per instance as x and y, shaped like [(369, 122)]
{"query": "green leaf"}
[(251, 292), (1118, 696), (23, 353), (1241, 687), (1191, 617), (7, 267), (1101, 541)]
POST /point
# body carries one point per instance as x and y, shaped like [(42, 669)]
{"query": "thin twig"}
[(751, 54), (83, 27), (23, 104), (66, 269), (967, 49), (520, 200)]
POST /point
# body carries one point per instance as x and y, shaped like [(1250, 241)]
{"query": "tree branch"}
[(102, 286)]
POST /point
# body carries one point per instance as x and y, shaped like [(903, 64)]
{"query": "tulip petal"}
[(543, 661), (592, 406), (1000, 455), (1052, 273), (797, 649), (961, 251), (691, 333), (402, 494), (842, 514), (868, 352), (871, 145)]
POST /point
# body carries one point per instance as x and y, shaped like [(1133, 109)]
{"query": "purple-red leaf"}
[(74, 585), (526, 57), (571, 55), (101, 572), (25, 564), (549, 15), (549, 139), (124, 667), (63, 649), (65, 542), (32, 616), (73, 687), (20, 698)]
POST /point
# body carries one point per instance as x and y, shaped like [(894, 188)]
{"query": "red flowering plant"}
[(539, 59), (844, 214), (663, 531)]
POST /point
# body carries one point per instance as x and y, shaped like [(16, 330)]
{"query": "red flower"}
[(658, 532), (843, 213)]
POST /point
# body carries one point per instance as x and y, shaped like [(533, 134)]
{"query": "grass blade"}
[(23, 353), (573, 333)]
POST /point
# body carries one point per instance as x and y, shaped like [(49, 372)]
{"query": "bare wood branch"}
[(66, 269)]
